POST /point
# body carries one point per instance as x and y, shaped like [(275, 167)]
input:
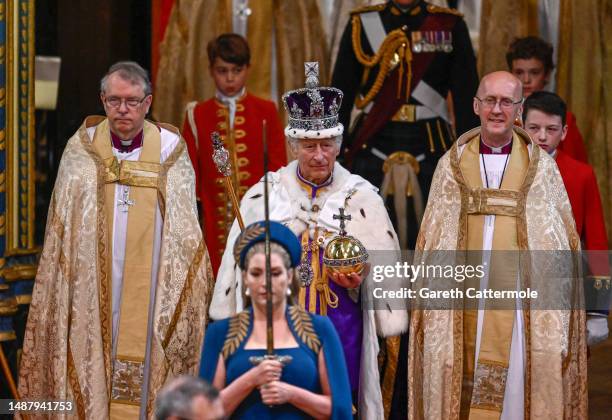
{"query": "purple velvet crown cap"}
[(301, 104), (313, 109)]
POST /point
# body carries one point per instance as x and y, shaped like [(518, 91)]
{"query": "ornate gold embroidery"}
[(138, 166), (198, 258), (74, 384), (437, 9), (103, 265), (111, 169), (163, 173), (302, 324), (489, 385), (238, 134), (495, 202), (127, 381), (241, 147), (238, 328), (247, 236), (239, 120), (371, 8)]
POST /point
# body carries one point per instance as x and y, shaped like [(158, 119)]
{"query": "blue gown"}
[(313, 333)]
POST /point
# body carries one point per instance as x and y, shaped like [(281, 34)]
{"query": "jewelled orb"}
[(344, 254)]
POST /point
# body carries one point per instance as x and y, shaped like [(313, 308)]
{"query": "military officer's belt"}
[(409, 113)]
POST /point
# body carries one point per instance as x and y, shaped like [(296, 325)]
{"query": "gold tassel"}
[(409, 72)]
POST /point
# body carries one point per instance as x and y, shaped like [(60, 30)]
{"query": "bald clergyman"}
[(495, 190)]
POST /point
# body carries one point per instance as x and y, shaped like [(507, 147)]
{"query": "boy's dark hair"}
[(547, 102), (531, 47), (232, 48)]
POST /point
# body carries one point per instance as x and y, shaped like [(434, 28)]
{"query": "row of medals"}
[(432, 41)]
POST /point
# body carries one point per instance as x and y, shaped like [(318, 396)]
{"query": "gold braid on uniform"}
[(395, 42), (431, 8), (236, 333), (302, 324)]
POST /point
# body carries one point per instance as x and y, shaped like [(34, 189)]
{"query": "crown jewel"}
[(313, 110)]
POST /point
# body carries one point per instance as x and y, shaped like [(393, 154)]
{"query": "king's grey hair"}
[(176, 398), (131, 72)]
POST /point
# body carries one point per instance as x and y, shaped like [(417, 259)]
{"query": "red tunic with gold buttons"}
[(245, 145)]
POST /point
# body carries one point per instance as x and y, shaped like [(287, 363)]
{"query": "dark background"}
[(89, 36)]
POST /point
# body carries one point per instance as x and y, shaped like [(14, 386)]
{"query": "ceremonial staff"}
[(7, 373), (269, 323), (9, 379), (221, 158), (269, 328)]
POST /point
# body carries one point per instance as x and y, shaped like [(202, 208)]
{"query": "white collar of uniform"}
[(230, 102)]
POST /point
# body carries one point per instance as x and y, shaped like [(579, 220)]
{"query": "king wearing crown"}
[(323, 203)]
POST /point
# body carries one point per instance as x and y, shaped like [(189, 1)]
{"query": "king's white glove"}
[(597, 330)]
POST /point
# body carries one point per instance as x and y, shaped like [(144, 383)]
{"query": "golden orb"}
[(345, 255)]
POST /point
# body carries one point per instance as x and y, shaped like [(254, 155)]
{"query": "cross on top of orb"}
[(342, 217)]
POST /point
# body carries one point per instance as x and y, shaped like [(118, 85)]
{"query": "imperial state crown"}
[(313, 110)]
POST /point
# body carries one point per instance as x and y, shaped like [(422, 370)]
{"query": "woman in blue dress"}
[(314, 384)]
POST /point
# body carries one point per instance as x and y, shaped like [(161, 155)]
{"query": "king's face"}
[(316, 158)]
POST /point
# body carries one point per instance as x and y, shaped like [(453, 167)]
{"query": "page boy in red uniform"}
[(238, 116), (544, 119), (530, 59)]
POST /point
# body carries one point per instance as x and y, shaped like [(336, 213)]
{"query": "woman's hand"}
[(267, 371), (276, 393)]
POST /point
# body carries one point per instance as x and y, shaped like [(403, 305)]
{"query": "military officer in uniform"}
[(397, 64)]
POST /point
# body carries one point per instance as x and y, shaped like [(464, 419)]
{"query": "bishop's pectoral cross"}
[(342, 217), (125, 200)]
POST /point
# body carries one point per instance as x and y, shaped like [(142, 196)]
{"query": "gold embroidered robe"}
[(67, 344), (555, 347)]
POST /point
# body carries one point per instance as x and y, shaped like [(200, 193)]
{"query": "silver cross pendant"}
[(125, 200)]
